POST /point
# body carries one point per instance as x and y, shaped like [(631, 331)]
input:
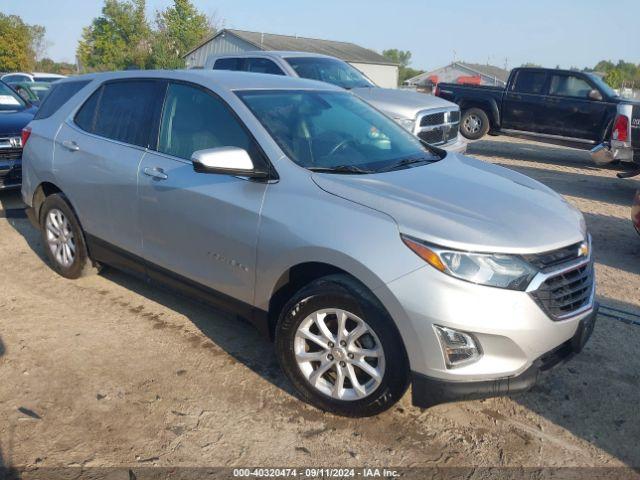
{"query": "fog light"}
[(459, 348)]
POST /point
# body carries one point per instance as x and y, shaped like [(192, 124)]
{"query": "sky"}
[(547, 32)]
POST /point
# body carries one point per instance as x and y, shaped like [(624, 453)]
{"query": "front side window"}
[(10, 101), (329, 70), (569, 86), (262, 65), (324, 130), (530, 82), (123, 111), (194, 119)]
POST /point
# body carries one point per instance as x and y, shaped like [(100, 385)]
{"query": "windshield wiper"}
[(341, 169), (405, 163)]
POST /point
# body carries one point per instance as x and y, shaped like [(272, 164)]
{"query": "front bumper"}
[(609, 152), (428, 391), (459, 145), (10, 173)]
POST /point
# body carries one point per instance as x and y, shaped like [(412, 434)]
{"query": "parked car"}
[(34, 92), (371, 258), (16, 77), (15, 114), (433, 120), (565, 107)]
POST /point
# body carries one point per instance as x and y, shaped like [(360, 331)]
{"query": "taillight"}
[(26, 133), (620, 129), (436, 92)]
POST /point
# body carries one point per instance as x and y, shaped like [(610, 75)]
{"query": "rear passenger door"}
[(100, 149), (571, 113), (523, 104), (200, 226)]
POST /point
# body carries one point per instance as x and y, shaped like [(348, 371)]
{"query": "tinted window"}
[(58, 96), (530, 82), (319, 129), (196, 120), (123, 111), (569, 86), (262, 65), (16, 78), (329, 70), (227, 64)]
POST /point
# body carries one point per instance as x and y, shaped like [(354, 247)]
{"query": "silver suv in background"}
[(371, 258), (433, 119)]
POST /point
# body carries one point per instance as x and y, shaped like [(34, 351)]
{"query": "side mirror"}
[(226, 161), (595, 95)]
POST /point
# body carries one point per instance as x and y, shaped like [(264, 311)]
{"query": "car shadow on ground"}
[(536, 153), (596, 391), (615, 242), (6, 471), (590, 187)]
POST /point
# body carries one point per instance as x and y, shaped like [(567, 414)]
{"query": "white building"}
[(381, 70)]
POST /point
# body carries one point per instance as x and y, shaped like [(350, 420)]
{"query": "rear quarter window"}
[(58, 96), (228, 64), (124, 110), (530, 82)]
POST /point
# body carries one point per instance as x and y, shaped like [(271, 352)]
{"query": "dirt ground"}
[(107, 371)]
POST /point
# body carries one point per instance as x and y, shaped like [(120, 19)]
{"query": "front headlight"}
[(406, 123), (492, 269)]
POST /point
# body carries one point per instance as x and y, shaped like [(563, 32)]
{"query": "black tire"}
[(343, 292), (474, 124), (81, 264)]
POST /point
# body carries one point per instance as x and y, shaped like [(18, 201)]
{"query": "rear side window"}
[(194, 119), (58, 96), (530, 82), (228, 64), (125, 111), (262, 65)]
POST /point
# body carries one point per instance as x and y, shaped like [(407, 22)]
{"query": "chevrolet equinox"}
[(371, 259)]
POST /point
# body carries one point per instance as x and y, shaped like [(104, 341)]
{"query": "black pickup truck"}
[(565, 107)]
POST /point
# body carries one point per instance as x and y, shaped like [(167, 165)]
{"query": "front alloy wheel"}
[(339, 354)]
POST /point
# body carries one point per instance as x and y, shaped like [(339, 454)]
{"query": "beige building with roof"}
[(379, 69)]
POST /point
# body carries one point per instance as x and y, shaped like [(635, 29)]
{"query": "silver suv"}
[(433, 119), (372, 259)]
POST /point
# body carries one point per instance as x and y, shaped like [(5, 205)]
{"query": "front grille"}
[(547, 260), (454, 117), (432, 136), (432, 119), (10, 153), (564, 294)]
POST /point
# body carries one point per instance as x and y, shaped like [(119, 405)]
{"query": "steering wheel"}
[(341, 145)]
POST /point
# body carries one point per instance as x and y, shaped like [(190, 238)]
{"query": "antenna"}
[(506, 63), (261, 38), (454, 57)]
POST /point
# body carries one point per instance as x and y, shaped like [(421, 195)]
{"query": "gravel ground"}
[(107, 371)]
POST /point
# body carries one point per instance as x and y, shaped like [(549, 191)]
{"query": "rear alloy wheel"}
[(474, 124), (340, 348), (63, 238)]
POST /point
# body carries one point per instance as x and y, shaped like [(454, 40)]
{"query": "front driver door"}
[(202, 227)]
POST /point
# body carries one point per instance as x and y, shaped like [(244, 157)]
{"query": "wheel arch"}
[(489, 106), (42, 191)]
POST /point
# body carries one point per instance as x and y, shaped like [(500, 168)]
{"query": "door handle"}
[(155, 173), (71, 145)]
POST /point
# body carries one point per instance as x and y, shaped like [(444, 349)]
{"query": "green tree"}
[(19, 43), (180, 27), (118, 39), (530, 65), (403, 59)]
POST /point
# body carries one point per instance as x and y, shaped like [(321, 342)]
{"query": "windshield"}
[(602, 85), (10, 100), (334, 130), (329, 70)]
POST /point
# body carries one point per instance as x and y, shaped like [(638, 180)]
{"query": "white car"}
[(16, 77)]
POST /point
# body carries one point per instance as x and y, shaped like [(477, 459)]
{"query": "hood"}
[(466, 204), (401, 103), (12, 123)]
